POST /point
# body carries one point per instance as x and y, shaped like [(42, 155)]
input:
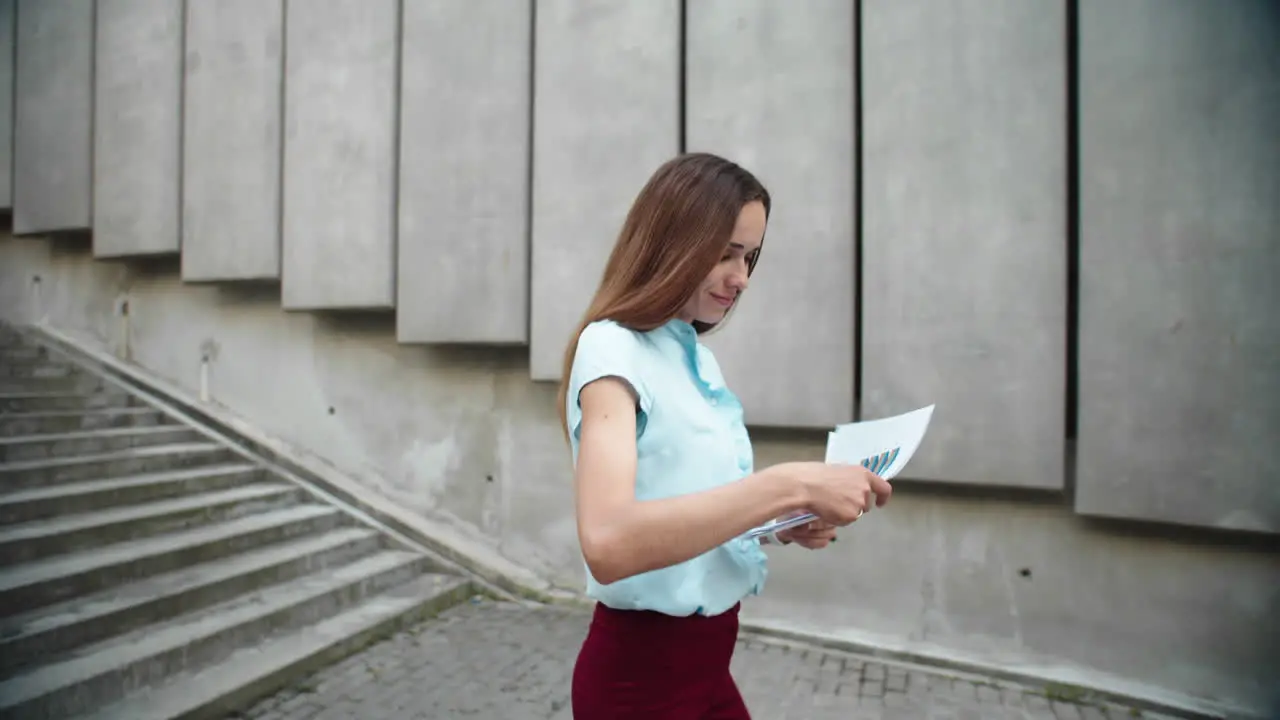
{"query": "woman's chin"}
[(711, 317)]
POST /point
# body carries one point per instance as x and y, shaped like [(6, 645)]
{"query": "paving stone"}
[(506, 660), (1065, 710), (989, 695), (896, 680), (1092, 713)]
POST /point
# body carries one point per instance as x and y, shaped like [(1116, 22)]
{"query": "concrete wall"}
[(137, 134), (314, 153), (464, 174), (53, 116), (1179, 254), (232, 140), (7, 19), (607, 83), (340, 108), (460, 434), (964, 239), (771, 85)]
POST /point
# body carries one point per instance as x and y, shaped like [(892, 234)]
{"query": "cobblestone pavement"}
[(503, 661)]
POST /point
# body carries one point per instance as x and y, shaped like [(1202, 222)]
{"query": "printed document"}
[(882, 446)]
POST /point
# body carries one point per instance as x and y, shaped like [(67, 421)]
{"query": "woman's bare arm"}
[(622, 536)]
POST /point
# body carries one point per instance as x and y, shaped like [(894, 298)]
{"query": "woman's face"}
[(720, 290)]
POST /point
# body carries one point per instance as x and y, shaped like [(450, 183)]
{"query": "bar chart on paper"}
[(883, 446)]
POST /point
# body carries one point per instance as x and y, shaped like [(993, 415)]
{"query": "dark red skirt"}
[(638, 664)]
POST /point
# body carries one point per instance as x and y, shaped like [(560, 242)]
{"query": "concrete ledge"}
[(470, 557)]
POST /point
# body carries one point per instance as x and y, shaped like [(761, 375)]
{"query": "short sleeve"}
[(606, 349)]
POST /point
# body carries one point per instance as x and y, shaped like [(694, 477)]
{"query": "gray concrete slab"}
[(1179, 251), (232, 126), (771, 86), (341, 107), (137, 130), (964, 233), (53, 116), (7, 19), (606, 115), (463, 262)]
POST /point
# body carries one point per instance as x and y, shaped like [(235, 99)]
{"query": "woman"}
[(664, 481)]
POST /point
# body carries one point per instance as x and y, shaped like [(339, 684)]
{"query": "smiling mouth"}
[(725, 301)]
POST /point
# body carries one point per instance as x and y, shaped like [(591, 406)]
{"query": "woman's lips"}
[(725, 301)]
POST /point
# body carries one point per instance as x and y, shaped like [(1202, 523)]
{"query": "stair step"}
[(50, 401), (130, 461), (85, 442), (54, 500), (24, 587), (265, 667), (64, 421), (31, 541), (22, 353), (37, 368), (77, 383), (108, 671), (32, 637)]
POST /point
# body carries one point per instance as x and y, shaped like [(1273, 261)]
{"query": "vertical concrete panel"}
[(340, 153), (1179, 254), (6, 102), (964, 233), (771, 86), (137, 134), (232, 140), (606, 115), (463, 265), (53, 116)]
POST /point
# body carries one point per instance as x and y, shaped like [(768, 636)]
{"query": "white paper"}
[(883, 446)]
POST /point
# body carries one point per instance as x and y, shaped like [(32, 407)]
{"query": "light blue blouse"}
[(690, 437)]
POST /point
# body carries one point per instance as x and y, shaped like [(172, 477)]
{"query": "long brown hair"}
[(676, 231)]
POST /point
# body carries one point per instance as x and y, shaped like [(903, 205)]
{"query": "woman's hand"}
[(839, 494), (813, 535)]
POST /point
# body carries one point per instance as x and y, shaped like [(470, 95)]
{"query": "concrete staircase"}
[(148, 571)]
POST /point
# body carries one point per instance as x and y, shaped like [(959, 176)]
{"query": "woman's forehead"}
[(748, 231)]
